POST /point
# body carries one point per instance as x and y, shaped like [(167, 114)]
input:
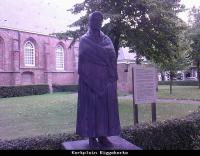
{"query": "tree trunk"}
[(198, 72), (171, 81), (116, 44), (162, 76), (138, 61)]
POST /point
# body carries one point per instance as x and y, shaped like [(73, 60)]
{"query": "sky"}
[(42, 16), (47, 16), (188, 4)]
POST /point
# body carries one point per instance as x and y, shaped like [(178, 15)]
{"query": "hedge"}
[(48, 142), (179, 83), (65, 88), (177, 134), (23, 90)]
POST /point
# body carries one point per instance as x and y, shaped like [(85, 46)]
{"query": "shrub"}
[(179, 83), (48, 142), (23, 90), (177, 134), (65, 88), (196, 142)]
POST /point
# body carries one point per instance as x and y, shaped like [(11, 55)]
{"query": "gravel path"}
[(168, 100)]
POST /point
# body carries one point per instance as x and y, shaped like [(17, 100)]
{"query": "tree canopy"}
[(194, 33), (150, 27), (194, 37)]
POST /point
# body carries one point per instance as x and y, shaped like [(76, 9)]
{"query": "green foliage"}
[(196, 142), (180, 60), (15, 91), (177, 62), (179, 83), (194, 33), (149, 27), (194, 37), (177, 134), (48, 142), (65, 88)]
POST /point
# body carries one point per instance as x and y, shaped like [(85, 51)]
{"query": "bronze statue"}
[(97, 111)]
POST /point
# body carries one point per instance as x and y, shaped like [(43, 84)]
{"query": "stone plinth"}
[(118, 142)]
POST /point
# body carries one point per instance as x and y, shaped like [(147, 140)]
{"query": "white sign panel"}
[(145, 84)]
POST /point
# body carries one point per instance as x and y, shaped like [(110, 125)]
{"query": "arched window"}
[(29, 54), (59, 57)]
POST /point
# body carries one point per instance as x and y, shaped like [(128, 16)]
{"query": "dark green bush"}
[(65, 88), (177, 134), (23, 90), (179, 83), (48, 142), (196, 142)]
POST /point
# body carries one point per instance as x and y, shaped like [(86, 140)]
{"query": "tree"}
[(147, 26), (194, 36), (178, 62)]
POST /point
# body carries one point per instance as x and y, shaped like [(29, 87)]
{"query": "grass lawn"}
[(56, 113), (179, 92)]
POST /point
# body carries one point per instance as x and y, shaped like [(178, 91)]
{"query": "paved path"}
[(168, 100), (178, 101)]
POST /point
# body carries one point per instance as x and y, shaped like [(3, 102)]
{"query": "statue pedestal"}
[(118, 142)]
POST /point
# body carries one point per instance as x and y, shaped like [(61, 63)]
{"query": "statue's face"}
[(95, 22)]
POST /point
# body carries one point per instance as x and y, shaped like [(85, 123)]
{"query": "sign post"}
[(135, 106), (144, 89), (153, 110)]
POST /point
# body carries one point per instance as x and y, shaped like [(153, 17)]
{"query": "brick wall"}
[(5, 79), (125, 78), (1, 53), (13, 70)]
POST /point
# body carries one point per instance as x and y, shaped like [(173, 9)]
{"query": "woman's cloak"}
[(97, 109)]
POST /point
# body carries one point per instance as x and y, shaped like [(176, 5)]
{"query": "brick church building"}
[(31, 58)]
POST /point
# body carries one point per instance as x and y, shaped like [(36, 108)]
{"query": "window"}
[(59, 57), (29, 54)]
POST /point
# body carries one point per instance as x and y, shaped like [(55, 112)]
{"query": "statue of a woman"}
[(97, 111)]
